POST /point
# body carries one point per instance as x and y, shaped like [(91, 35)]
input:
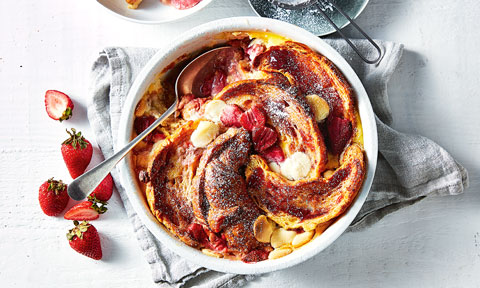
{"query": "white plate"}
[(150, 11), (194, 40)]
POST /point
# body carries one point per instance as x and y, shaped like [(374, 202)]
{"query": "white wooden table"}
[(51, 44)]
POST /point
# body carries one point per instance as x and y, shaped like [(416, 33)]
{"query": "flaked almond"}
[(262, 229), (206, 131), (320, 107), (302, 238), (282, 237), (213, 110), (328, 173), (279, 253), (211, 253), (275, 167), (297, 166)]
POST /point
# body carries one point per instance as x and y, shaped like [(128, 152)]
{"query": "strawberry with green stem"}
[(84, 239), (53, 197), (77, 153)]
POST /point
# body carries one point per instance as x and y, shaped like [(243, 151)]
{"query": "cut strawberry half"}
[(231, 116), (86, 210), (252, 118), (58, 105), (339, 133), (263, 138)]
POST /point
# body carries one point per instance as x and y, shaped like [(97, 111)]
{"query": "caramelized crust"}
[(219, 192)]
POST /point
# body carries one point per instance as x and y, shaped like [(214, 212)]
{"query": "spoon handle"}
[(87, 182), (321, 7)]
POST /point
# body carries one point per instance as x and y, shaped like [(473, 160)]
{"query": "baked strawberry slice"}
[(231, 116), (86, 210), (252, 118), (77, 153), (59, 106), (53, 197), (104, 190), (84, 239), (339, 133), (263, 138), (142, 123), (274, 154)]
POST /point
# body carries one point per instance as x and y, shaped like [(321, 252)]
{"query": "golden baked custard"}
[(263, 162)]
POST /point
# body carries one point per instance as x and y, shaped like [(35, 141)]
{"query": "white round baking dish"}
[(194, 40)]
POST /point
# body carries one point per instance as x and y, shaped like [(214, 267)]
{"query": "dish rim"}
[(187, 42), (188, 12)]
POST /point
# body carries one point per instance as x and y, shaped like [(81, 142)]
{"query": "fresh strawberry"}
[(59, 106), (339, 133), (231, 116), (86, 210), (84, 239), (104, 190), (252, 118), (274, 154), (77, 153), (263, 138), (53, 197)]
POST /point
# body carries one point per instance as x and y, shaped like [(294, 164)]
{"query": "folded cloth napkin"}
[(409, 167)]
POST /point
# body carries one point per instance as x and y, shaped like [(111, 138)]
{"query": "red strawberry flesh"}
[(263, 138), (339, 133), (82, 211), (58, 105), (252, 118), (274, 154), (142, 123), (231, 116)]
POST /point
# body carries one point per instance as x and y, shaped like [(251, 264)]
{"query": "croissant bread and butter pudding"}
[(263, 162)]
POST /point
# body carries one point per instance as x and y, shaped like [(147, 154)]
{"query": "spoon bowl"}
[(188, 81)]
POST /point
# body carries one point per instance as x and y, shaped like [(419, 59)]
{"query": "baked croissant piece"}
[(277, 151)]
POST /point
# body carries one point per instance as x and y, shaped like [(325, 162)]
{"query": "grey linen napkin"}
[(409, 167)]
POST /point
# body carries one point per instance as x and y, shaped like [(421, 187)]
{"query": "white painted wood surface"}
[(51, 44)]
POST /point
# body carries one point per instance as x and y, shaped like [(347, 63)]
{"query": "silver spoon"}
[(188, 81), (323, 5)]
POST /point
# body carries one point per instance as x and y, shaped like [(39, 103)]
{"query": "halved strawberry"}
[(252, 118), (58, 105), (231, 116), (263, 138), (339, 133), (86, 210)]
